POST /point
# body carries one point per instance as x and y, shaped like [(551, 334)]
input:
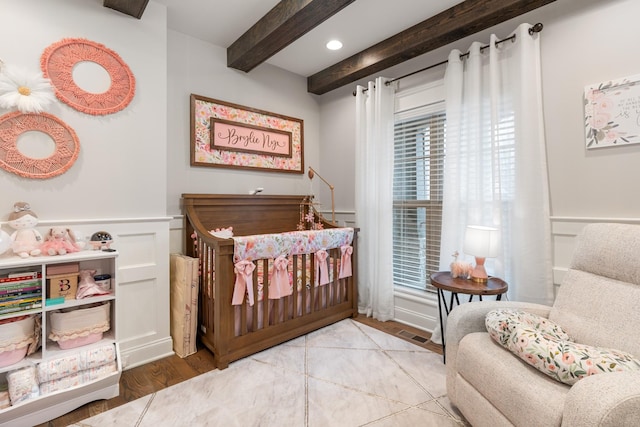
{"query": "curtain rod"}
[(536, 28)]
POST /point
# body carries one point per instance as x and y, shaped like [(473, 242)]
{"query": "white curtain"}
[(374, 198), (495, 164)]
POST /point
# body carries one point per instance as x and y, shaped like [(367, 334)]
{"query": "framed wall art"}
[(612, 113), (234, 136)]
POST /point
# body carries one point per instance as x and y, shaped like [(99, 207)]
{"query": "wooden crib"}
[(231, 331)]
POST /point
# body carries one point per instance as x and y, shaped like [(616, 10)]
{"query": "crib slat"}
[(266, 302), (208, 255), (254, 309), (335, 282), (294, 284), (307, 298), (243, 316)]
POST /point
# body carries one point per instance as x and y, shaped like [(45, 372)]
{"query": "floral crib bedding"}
[(279, 249), (276, 260)]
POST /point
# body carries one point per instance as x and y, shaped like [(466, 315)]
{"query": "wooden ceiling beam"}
[(281, 26), (133, 8), (455, 23)]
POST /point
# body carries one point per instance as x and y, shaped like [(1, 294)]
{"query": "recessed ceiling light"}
[(334, 45)]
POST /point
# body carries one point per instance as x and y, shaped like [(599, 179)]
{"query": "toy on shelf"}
[(59, 241), (26, 239), (87, 286), (101, 240)]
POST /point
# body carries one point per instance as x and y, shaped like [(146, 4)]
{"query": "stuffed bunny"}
[(26, 239), (59, 241)]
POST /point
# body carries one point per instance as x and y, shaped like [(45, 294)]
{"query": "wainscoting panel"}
[(176, 235)]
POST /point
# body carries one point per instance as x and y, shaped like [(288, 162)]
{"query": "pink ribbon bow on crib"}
[(279, 285), (244, 282), (345, 261), (322, 276)]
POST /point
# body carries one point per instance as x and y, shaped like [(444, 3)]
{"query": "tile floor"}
[(347, 374)]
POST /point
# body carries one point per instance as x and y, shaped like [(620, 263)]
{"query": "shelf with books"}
[(25, 287), (20, 291)]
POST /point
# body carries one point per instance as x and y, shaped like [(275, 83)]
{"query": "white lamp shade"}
[(482, 242)]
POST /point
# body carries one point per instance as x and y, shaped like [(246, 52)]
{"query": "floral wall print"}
[(612, 113), (252, 144)]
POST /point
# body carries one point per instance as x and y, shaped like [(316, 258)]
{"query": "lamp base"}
[(479, 274)]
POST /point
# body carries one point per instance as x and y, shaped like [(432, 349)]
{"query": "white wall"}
[(121, 169), (118, 182), (583, 42), (593, 44), (201, 68)]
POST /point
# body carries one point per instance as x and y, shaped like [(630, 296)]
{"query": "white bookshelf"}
[(45, 407)]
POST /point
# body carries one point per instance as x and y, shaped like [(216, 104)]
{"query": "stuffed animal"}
[(459, 268), (26, 239), (59, 241), (87, 286)]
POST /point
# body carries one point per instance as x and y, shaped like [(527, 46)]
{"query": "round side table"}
[(443, 281)]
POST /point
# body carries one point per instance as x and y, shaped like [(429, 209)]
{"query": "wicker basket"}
[(78, 327)]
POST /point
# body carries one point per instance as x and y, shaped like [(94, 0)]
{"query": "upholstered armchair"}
[(597, 304)]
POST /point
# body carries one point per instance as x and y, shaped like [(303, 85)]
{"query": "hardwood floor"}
[(152, 377)]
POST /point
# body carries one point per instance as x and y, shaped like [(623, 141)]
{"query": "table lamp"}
[(481, 242)]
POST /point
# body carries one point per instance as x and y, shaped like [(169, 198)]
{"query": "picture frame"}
[(228, 135), (612, 113)]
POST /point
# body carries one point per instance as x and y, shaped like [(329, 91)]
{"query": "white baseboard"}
[(142, 354), (416, 309)]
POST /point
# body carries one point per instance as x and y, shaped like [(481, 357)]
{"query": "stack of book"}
[(20, 291)]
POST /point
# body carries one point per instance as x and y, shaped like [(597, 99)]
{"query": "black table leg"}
[(441, 300)]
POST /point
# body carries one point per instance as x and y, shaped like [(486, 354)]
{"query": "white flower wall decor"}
[(28, 92)]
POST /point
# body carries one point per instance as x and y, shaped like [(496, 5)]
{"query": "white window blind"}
[(417, 194)]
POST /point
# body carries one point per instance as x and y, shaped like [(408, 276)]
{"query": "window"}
[(419, 151)]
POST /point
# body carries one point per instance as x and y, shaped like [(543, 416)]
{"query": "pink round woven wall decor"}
[(59, 59), (14, 124)]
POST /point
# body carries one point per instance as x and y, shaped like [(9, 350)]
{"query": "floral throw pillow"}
[(545, 346), (567, 361), (501, 323)]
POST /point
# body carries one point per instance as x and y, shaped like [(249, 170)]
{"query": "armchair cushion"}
[(516, 389)]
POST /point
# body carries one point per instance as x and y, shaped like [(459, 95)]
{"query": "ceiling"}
[(359, 25), (292, 34)]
